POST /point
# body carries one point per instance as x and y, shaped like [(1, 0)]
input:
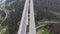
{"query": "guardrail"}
[(24, 20)]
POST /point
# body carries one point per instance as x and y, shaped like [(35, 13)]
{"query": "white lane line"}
[(24, 20), (32, 20)]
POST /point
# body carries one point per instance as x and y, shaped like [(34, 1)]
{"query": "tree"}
[(14, 16), (43, 7)]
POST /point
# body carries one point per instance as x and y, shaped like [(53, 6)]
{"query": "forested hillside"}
[(46, 12)]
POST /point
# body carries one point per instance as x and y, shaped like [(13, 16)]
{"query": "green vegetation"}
[(42, 30), (2, 5), (3, 29), (42, 15), (1, 18)]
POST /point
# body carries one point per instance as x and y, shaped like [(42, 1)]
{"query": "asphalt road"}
[(32, 20), (24, 20)]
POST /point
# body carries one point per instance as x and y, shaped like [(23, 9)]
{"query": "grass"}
[(3, 29), (42, 30)]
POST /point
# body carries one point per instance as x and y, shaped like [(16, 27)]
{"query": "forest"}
[(46, 12)]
